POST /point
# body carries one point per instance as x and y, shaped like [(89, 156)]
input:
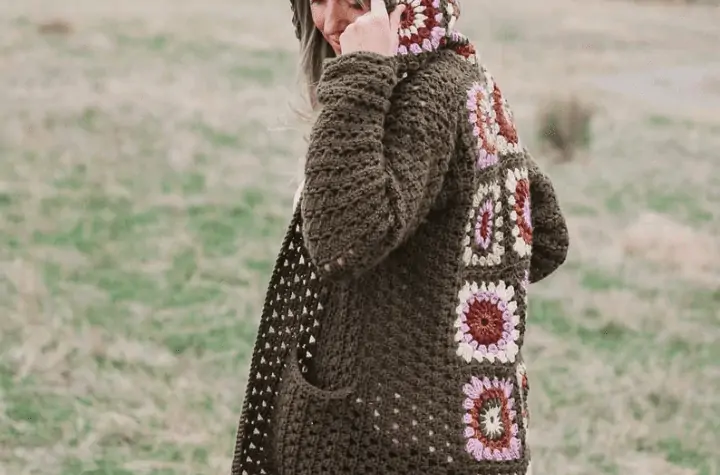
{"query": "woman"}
[(390, 341)]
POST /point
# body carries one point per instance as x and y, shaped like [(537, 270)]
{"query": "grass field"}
[(147, 159)]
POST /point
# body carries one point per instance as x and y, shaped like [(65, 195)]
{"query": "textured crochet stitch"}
[(392, 332)]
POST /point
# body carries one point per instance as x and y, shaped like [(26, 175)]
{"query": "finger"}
[(378, 8), (396, 18)]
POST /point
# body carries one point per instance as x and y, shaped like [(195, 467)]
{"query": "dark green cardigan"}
[(392, 333)]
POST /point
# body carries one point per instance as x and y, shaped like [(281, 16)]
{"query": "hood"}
[(427, 27)]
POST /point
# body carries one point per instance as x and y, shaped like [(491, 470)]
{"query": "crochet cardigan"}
[(390, 340)]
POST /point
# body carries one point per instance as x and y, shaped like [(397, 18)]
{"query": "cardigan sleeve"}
[(550, 233), (377, 156)]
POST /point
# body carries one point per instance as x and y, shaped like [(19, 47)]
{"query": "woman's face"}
[(331, 17)]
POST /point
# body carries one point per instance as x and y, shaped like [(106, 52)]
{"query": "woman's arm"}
[(550, 233), (374, 164)]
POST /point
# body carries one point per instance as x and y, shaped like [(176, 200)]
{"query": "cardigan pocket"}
[(311, 427)]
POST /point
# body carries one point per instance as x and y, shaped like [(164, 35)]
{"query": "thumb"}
[(396, 18)]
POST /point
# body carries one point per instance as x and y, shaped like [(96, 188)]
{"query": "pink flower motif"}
[(490, 420), (487, 323), (484, 125), (484, 224), (484, 239), (422, 27), (517, 185)]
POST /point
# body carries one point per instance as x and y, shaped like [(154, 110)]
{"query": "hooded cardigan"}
[(391, 337)]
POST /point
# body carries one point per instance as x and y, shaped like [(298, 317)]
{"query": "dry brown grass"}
[(146, 173), (55, 27), (565, 128)]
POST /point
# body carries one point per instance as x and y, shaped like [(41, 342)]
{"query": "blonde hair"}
[(314, 50)]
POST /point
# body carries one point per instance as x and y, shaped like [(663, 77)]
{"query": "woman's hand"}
[(374, 32)]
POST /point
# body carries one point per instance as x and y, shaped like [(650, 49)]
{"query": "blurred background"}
[(148, 158)]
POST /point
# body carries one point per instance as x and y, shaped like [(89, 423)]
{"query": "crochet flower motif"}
[(524, 389), (483, 224), (484, 125), (490, 420), (492, 122), (422, 27), (486, 323), (508, 140), (518, 187), (467, 52), (483, 231)]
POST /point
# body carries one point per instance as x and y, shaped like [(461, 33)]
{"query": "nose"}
[(335, 18)]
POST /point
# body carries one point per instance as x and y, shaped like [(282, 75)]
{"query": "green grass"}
[(145, 185)]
